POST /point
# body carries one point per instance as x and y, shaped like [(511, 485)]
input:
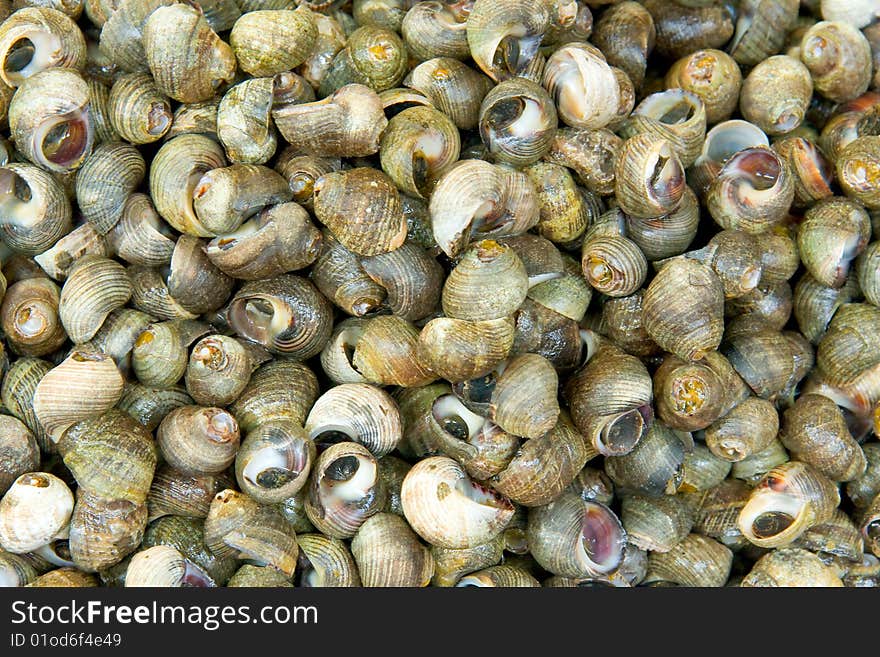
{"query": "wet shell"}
[(239, 527), (713, 76), (344, 490), (504, 38), (517, 122), (776, 94), (675, 115), (29, 317), (285, 314), (49, 120), (448, 509), (140, 236), (139, 112), (54, 41), (274, 461), (575, 538), (814, 430), (186, 57), (385, 354), (244, 121), (388, 553), (95, 287), (748, 429), (83, 240), (461, 350), (839, 58), (690, 323), (543, 467), (35, 509), (348, 123), (107, 178), (585, 89), (271, 41), (656, 524), (326, 562), (834, 232), (411, 278), (649, 179), (36, 211), (111, 456), (696, 561), (361, 412), (788, 500), (451, 86), (103, 532), (278, 390), (175, 172), (654, 466), (19, 451), (489, 282), (790, 567), (197, 440), (173, 493), (527, 381), (362, 208), (84, 386)]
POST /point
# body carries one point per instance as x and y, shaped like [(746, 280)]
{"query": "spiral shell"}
[(35, 509), (583, 85), (448, 509), (363, 413), (51, 39), (95, 287)]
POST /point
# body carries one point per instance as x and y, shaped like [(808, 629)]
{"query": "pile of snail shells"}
[(475, 293)]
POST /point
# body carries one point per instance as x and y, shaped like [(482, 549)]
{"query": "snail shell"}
[(362, 209), (105, 181), (448, 509), (53, 39), (814, 430), (239, 527), (103, 532), (277, 390), (789, 499), (274, 461), (85, 385), (138, 111), (207, 61), (110, 456), (244, 121), (326, 562), (29, 317), (695, 561), (685, 324), (363, 413), (505, 37), (35, 509), (388, 553), (49, 120), (344, 490), (583, 85), (266, 42), (95, 287), (575, 538), (197, 440), (789, 567)]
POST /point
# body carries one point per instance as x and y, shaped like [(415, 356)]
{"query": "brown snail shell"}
[(695, 561), (208, 61), (285, 314), (814, 431), (368, 195), (103, 532), (789, 499), (748, 429), (791, 567), (363, 413), (29, 317), (460, 350), (197, 440), (575, 538), (388, 553), (667, 309)]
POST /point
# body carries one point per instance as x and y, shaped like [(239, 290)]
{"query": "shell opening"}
[(667, 177), (602, 538), (30, 321), (758, 166), (671, 107), (516, 51), (15, 194), (621, 433), (64, 142), (770, 513), (477, 391), (30, 54), (350, 478), (455, 418), (260, 318), (728, 138), (480, 581), (268, 468), (480, 494)]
